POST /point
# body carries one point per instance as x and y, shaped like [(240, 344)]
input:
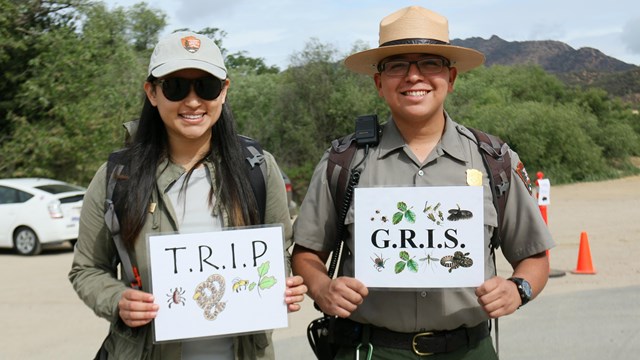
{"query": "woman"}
[(185, 146)]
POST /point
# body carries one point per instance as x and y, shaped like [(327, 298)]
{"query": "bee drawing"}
[(239, 284)]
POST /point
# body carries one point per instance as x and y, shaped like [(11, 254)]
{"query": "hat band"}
[(417, 41)]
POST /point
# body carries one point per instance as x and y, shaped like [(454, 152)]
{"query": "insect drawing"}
[(175, 297), (378, 262), (433, 213), (239, 284), (459, 214), (430, 260)]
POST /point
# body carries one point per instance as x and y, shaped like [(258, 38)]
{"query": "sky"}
[(277, 29)]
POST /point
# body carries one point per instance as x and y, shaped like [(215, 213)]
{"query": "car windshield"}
[(59, 188)]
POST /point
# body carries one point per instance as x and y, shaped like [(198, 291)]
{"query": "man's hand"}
[(498, 297), (342, 296)]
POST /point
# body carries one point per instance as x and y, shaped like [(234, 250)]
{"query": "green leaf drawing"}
[(263, 269), (410, 216), (397, 217), (412, 265), (264, 282), (267, 282), (402, 206), (406, 261)]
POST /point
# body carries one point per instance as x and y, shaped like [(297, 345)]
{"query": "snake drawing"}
[(456, 260), (208, 296)]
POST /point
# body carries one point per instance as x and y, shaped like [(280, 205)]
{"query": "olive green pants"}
[(482, 351)]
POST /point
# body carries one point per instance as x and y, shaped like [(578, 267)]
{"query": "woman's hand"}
[(136, 308), (295, 292)]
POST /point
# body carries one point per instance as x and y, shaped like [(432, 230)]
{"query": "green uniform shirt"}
[(391, 163)]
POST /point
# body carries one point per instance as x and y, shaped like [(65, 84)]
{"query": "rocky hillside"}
[(583, 67)]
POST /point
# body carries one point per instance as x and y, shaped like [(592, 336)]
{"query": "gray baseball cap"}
[(186, 50)]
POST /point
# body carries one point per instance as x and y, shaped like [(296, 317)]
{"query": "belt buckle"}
[(414, 343)]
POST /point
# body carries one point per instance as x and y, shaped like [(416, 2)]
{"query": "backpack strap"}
[(338, 168), (114, 169), (497, 161), (257, 170)]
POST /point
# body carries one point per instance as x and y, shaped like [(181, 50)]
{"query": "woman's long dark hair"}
[(149, 147)]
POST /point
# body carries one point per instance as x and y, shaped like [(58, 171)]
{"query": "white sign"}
[(218, 283), (544, 191), (419, 237)]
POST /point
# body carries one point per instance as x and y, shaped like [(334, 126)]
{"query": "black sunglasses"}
[(176, 88)]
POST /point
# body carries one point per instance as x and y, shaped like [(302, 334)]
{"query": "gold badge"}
[(474, 177)]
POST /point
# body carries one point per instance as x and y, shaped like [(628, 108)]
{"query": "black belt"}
[(348, 332)]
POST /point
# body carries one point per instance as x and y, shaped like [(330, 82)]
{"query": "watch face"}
[(526, 288)]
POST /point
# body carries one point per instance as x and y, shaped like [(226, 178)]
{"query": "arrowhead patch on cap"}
[(190, 43)]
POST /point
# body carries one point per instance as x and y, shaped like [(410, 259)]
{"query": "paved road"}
[(581, 325), (581, 317)]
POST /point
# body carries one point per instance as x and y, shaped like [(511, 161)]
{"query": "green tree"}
[(144, 26), (83, 84), (241, 62), (22, 24)]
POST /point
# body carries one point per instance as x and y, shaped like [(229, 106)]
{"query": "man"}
[(414, 70)]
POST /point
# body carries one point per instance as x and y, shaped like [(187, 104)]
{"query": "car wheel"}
[(26, 242)]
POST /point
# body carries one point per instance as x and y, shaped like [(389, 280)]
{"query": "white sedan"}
[(36, 211)]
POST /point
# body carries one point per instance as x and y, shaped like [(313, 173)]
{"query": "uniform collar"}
[(450, 142), (391, 139)]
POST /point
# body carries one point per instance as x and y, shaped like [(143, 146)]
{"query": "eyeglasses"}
[(176, 88), (425, 66)]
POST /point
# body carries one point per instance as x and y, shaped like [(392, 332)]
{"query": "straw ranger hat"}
[(414, 29)]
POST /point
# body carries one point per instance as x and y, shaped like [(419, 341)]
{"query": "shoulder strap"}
[(114, 169), (342, 179), (495, 155), (257, 168), (338, 168)]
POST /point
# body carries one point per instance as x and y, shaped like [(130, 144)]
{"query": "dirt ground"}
[(42, 317)]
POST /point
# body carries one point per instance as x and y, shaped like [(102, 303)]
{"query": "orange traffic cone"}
[(585, 266)]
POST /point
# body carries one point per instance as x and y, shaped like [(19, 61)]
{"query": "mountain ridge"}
[(554, 56), (585, 66)]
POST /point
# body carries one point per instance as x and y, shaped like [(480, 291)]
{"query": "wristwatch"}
[(524, 289)]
